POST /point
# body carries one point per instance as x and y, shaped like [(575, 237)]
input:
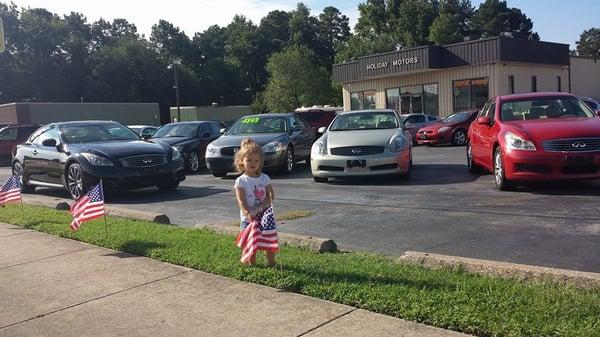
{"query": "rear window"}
[(544, 108)]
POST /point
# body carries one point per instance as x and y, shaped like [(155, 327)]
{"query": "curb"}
[(505, 269), (321, 245), (61, 204)]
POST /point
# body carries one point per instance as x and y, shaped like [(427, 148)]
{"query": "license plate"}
[(580, 160), (423, 136), (356, 163)]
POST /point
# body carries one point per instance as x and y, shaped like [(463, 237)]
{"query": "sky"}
[(554, 20)]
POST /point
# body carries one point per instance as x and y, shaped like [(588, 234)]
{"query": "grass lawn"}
[(446, 298)]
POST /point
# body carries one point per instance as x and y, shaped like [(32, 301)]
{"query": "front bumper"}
[(136, 177), (538, 165), (387, 163), (225, 163), (434, 137)]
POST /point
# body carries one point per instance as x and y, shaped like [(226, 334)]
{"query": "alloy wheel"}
[(289, 160), (498, 169), (17, 170), (459, 137), (75, 181), (194, 162)]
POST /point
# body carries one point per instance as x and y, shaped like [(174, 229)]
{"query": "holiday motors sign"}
[(395, 63)]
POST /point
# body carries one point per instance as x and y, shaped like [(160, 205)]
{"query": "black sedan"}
[(75, 155), (285, 139), (190, 138)]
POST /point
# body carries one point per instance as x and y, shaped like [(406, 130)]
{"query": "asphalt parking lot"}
[(442, 209)]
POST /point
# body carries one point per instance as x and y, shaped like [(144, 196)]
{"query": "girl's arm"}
[(268, 198), (240, 194)]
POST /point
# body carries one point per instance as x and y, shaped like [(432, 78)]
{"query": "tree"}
[(171, 42), (413, 22), (589, 43), (334, 32), (242, 52), (451, 25), (106, 33), (295, 81), (493, 18), (373, 20), (274, 31)]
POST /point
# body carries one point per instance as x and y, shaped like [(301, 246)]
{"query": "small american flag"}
[(89, 206), (11, 190), (261, 234)]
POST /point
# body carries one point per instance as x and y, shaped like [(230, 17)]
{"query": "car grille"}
[(357, 150), (144, 161), (572, 145), (229, 151)]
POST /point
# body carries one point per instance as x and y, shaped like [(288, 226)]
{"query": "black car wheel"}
[(77, 181), (193, 162), (459, 137), (17, 170), (288, 164), (168, 186), (471, 166), (500, 180), (219, 174)]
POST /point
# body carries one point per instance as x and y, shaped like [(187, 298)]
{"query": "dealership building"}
[(441, 80)]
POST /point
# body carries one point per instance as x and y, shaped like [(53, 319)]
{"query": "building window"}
[(533, 83), (414, 99), (362, 100), (392, 99), (511, 84), (470, 94), (558, 84)]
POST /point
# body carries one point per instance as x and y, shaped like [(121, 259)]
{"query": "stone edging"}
[(504, 269)]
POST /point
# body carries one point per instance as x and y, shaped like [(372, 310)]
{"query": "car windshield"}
[(75, 134), (177, 130), (258, 124), (544, 108), (365, 121), (457, 117)]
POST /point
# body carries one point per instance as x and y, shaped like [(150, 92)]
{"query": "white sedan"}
[(361, 143)]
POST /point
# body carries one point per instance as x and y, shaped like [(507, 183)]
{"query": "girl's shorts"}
[(243, 225)]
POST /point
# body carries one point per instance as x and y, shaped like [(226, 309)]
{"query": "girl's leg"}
[(270, 258)]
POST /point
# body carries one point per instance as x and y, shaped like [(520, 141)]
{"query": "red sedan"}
[(537, 136), (450, 130)]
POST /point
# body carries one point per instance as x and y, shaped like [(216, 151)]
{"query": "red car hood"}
[(558, 128)]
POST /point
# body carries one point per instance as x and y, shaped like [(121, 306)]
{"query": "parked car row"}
[(519, 138)]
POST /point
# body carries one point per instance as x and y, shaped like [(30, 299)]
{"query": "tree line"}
[(282, 62)]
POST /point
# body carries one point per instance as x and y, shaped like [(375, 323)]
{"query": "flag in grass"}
[(11, 190), (89, 206), (261, 234)]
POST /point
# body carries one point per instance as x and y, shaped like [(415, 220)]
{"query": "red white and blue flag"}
[(261, 234), (89, 206), (11, 190)]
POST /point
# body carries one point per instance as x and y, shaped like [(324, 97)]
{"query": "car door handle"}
[(34, 152)]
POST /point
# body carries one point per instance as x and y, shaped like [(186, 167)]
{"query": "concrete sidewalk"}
[(52, 286)]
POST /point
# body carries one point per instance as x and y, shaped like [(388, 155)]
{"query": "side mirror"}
[(49, 142), (322, 130), (408, 126), (485, 120), (222, 130)]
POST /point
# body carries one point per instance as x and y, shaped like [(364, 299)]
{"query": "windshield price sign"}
[(251, 120)]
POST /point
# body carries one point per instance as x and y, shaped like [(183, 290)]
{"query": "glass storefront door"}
[(411, 99)]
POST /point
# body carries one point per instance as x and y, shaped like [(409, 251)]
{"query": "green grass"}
[(446, 298)]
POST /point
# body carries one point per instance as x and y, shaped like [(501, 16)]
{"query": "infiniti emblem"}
[(356, 151), (579, 145), (147, 161)]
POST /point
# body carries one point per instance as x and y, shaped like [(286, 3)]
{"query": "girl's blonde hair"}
[(247, 148)]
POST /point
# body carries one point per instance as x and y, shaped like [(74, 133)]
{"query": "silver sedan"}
[(362, 143)]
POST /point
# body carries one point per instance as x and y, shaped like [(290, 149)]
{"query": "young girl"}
[(253, 188)]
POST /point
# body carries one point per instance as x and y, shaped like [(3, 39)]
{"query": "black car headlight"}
[(176, 154), (273, 147), (97, 160)]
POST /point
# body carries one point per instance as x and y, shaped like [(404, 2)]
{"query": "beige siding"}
[(217, 113), (546, 77), (585, 77), (443, 78)]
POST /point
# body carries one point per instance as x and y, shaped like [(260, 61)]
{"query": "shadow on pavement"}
[(137, 247), (570, 188)]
